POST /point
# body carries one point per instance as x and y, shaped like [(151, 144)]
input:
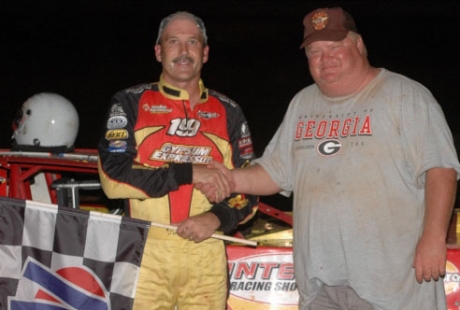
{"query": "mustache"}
[(182, 58)]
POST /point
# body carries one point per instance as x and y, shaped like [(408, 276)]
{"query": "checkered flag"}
[(61, 258)]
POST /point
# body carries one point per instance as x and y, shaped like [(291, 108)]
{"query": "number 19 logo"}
[(184, 127)]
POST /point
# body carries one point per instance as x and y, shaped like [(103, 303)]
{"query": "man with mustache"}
[(158, 139)]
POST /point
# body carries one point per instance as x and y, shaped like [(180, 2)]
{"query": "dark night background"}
[(88, 50)]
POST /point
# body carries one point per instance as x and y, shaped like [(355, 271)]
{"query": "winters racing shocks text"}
[(261, 276)]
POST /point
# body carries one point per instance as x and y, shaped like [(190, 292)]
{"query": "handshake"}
[(215, 181)]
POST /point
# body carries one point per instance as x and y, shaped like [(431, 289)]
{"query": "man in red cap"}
[(371, 162)]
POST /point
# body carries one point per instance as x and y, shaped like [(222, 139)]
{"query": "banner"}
[(261, 278), (61, 258)]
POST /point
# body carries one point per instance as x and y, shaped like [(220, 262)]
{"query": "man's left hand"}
[(430, 259), (199, 227)]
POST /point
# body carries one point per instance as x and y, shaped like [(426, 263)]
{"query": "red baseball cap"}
[(327, 24)]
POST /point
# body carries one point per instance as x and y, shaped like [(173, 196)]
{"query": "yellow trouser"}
[(177, 272)]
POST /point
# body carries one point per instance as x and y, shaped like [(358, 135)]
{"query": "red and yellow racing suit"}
[(151, 139)]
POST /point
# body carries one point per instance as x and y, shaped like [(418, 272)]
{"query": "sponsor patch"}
[(208, 115), (182, 154), (117, 146), (116, 134), (238, 202), (247, 153), (117, 109), (137, 89), (245, 130), (244, 142), (116, 122), (156, 109)]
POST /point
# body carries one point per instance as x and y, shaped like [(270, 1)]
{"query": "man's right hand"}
[(214, 181)]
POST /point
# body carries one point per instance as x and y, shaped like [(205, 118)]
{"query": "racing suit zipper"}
[(185, 109)]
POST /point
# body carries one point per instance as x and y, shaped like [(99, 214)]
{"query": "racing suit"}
[(151, 139)]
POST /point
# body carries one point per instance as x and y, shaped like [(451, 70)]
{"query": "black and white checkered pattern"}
[(47, 251)]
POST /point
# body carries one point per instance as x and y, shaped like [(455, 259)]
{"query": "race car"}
[(261, 277)]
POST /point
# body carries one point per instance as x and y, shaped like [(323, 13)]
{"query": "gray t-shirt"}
[(356, 166)]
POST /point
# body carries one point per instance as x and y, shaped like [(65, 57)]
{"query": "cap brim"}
[(325, 35)]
